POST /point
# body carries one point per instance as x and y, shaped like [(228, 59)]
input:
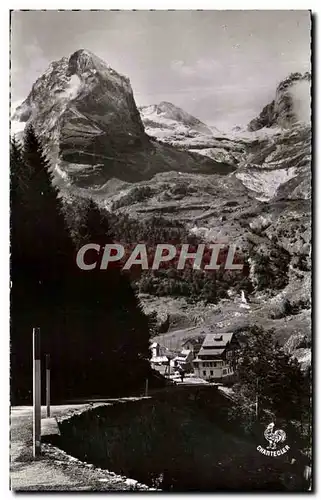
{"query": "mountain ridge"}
[(86, 115)]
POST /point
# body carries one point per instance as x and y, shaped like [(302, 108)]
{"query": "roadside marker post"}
[(48, 384), (36, 444)]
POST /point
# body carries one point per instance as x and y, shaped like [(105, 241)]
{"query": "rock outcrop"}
[(85, 99), (291, 104)]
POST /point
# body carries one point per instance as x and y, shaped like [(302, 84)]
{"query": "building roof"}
[(215, 344), (159, 359), (217, 340), (183, 356), (162, 350), (211, 352), (194, 340)]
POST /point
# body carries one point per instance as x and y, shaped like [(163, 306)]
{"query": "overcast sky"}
[(221, 66)]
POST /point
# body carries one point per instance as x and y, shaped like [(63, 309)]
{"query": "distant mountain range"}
[(86, 115), (168, 118)]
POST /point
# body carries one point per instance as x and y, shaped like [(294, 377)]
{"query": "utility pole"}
[(146, 388), (36, 444), (48, 384)]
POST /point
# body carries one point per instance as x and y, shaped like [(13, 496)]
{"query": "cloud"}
[(30, 56), (301, 95), (35, 56), (181, 68), (202, 67)]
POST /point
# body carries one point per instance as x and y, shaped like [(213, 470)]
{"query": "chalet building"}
[(184, 360), (193, 344), (158, 355), (216, 360), (161, 358)]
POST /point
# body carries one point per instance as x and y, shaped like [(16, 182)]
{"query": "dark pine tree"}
[(42, 255), (20, 374), (92, 324), (47, 239), (113, 341), (17, 186)]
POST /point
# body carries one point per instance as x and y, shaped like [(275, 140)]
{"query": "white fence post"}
[(48, 384), (36, 394)]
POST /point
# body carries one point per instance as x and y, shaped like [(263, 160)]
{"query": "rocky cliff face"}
[(86, 115), (291, 104), (82, 100)]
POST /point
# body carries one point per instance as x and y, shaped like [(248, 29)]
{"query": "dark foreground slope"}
[(181, 440)]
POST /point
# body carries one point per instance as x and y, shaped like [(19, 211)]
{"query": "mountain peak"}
[(82, 53), (167, 104), (168, 114), (294, 78), (83, 60), (291, 105), (79, 101)]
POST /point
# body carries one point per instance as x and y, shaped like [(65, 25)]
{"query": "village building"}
[(158, 355), (193, 344), (161, 358), (184, 361), (216, 360)]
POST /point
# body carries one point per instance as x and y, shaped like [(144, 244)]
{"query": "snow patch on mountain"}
[(264, 182), (16, 127), (165, 121), (219, 154), (167, 115), (170, 124), (73, 87)]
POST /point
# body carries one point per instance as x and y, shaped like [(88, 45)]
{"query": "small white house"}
[(161, 358), (155, 348), (184, 360), (158, 355)]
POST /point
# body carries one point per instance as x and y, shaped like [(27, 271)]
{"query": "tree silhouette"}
[(266, 371), (114, 329), (92, 324), (41, 259)]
